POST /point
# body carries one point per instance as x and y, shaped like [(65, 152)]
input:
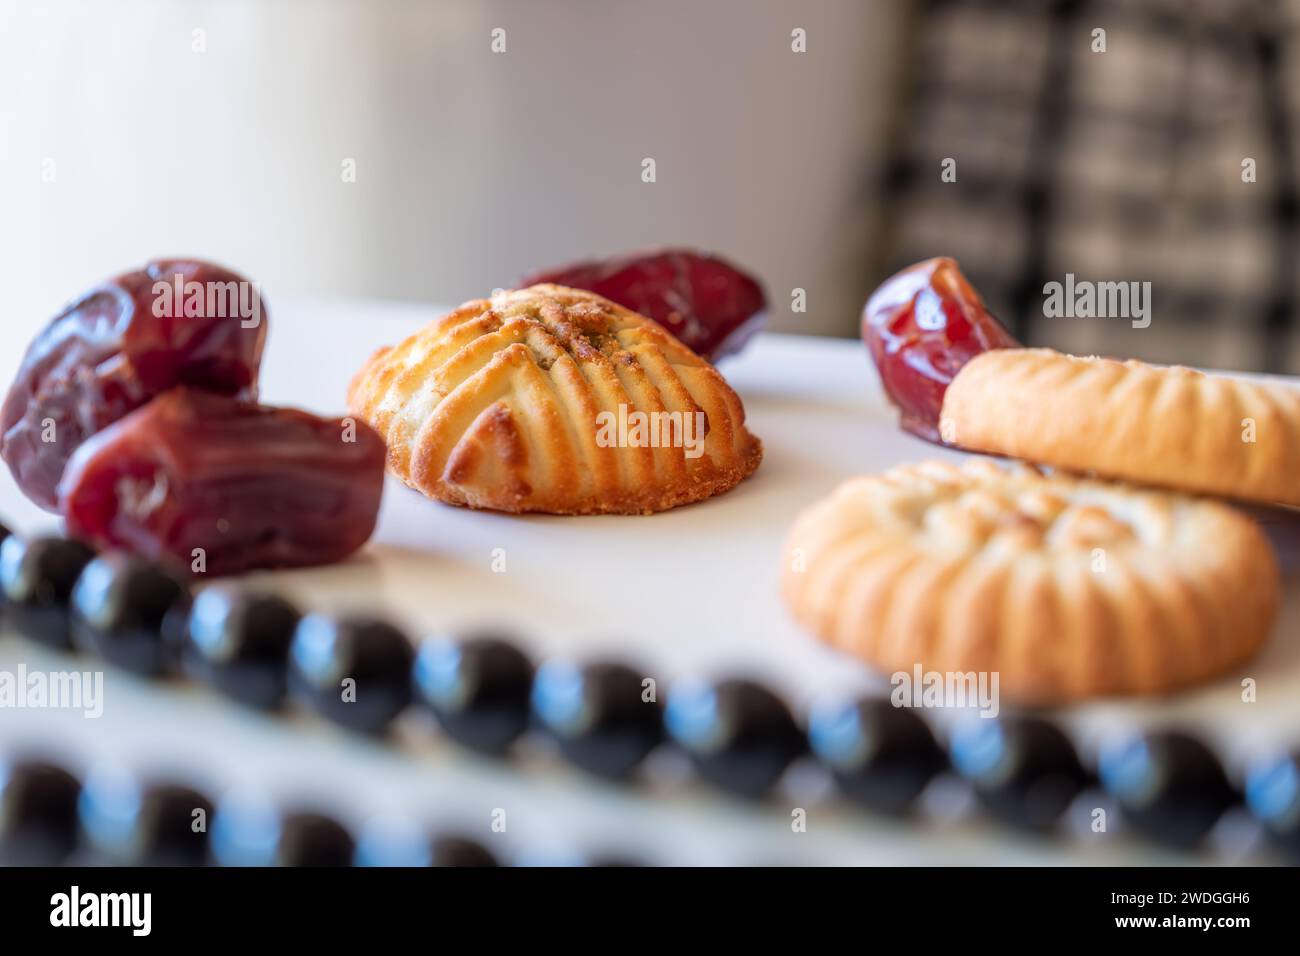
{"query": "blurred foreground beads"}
[(478, 688), (353, 671), (158, 824), (882, 756), (38, 577), (118, 609), (238, 642), (1024, 769), (313, 839), (402, 843), (1169, 785), (249, 831), (740, 736), (1273, 795), (38, 813), (598, 715)]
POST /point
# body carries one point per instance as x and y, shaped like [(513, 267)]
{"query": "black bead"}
[(38, 813), (250, 832), (598, 715), (402, 843), (450, 850), (740, 736), (882, 756), (478, 688), (1170, 786), (1273, 795), (159, 824), (1024, 769), (613, 861), (38, 577), (375, 655), (118, 609), (238, 642), (312, 839)]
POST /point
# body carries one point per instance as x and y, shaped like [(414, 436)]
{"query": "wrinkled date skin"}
[(118, 346), (921, 326), (253, 487), (709, 304)]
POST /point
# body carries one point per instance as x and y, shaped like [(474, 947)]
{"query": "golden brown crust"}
[(1172, 427), (1066, 588), (499, 405)]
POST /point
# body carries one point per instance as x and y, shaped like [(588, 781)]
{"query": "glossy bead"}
[(238, 642), (250, 832), (451, 850), (598, 715), (1273, 795), (373, 656), (38, 813), (613, 861), (402, 843), (37, 577), (1169, 785), (1024, 769), (740, 736), (159, 824), (118, 609), (882, 756), (312, 839), (477, 688)]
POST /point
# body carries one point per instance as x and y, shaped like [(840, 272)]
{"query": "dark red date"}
[(921, 326), (713, 307), (219, 485), (174, 322)]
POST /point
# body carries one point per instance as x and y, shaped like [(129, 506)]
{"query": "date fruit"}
[(713, 307), (221, 486), (174, 322), (921, 326)]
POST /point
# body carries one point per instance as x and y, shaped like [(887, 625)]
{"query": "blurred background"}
[(382, 150), (231, 129)]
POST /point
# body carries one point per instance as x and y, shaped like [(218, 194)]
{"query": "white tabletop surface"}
[(691, 591)]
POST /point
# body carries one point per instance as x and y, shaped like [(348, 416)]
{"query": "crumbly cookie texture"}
[(1067, 588), (1172, 427), (513, 403)]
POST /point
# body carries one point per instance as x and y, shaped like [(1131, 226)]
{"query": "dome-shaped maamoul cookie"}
[(556, 400), (1066, 588)]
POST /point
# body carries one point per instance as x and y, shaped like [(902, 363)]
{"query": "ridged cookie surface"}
[(1154, 425), (526, 402), (1066, 588)]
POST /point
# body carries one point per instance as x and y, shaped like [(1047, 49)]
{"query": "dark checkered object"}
[(1122, 165)]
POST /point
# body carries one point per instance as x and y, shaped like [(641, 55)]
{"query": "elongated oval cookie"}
[(1065, 588), (1154, 425), (556, 400)]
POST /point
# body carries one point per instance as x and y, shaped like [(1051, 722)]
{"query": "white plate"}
[(691, 591)]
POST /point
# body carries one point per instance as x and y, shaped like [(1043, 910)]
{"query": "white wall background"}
[(472, 167)]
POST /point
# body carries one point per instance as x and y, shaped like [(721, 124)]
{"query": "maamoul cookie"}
[(1067, 588), (556, 400), (1173, 427)]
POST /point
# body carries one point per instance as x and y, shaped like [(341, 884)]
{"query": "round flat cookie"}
[(1065, 588), (1153, 425)]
